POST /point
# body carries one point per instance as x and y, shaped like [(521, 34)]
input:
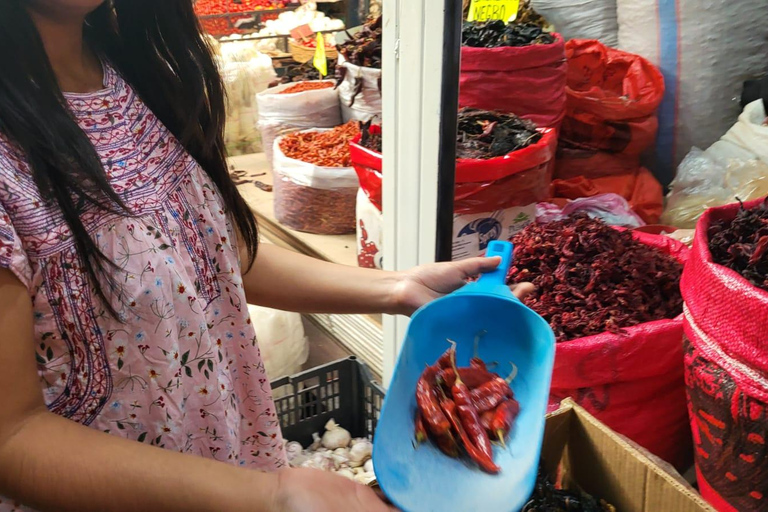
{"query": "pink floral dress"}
[(182, 371)]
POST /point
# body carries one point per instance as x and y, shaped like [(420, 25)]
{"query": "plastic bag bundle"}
[(284, 113)]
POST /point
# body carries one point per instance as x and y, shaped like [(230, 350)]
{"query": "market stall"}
[(418, 137)]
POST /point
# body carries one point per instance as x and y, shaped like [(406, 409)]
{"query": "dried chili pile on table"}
[(301, 73), (496, 33), (592, 278), (306, 86), (326, 149), (483, 134), (742, 244), (464, 408), (364, 48), (547, 497)]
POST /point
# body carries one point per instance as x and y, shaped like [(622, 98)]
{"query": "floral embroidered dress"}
[(182, 371)]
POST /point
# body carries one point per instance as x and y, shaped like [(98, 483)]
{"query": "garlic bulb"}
[(335, 436), (361, 452), (292, 450), (368, 467)]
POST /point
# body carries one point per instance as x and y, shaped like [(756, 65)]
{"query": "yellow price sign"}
[(483, 10), (320, 61)]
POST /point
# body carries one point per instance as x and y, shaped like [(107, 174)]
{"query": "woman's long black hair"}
[(158, 47)]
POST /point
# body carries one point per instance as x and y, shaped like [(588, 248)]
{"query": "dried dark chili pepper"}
[(484, 134), (546, 497), (591, 278), (369, 139), (358, 83), (479, 445), (741, 244), (428, 404), (364, 48), (302, 73), (496, 33)]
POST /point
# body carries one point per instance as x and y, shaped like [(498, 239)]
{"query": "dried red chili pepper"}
[(450, 409), (472, 377), (428, 404), (491, 394), (477, 435), (504, 418), (741, 244), (447, 444), (591, 278), (445, 360), (486, 420)]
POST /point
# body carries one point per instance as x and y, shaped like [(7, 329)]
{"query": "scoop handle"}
[(494, 282)]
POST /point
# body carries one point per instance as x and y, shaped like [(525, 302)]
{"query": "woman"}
[(127, 258)]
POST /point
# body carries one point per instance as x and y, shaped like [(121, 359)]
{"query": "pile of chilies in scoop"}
[(464, 408)]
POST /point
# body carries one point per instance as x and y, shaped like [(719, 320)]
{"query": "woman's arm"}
[(54, 464), (284, 279)]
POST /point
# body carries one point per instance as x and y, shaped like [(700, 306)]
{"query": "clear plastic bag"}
[(710, 178), (610, 208), (284, 113)]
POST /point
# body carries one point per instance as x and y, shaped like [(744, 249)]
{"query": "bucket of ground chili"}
[(725, 288)]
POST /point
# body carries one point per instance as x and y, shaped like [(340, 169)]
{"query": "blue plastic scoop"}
[(423, 479)]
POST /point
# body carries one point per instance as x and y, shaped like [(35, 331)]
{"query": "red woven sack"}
[(632, 382), (528, 81), (520, 178), (726, 373), (612, 97)]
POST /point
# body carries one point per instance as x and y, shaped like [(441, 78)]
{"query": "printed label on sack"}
[(482, 10), (473, 232)]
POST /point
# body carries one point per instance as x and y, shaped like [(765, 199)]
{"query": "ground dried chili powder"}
[(592, 278), (742, 244), (326, 149)]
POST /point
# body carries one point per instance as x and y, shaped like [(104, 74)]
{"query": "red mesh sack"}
[(520, 178), (726, 375), (612, 97), (633, 381), (528, 81)]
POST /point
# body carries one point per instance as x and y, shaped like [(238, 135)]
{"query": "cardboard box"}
[(592, 457)]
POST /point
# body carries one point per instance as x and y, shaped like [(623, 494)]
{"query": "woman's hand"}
[(423, 284), (312, 490)]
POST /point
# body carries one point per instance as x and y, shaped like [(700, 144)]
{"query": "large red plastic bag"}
[(612, 97), (633, 381), (528, 81), (726, 372), (494, 198)]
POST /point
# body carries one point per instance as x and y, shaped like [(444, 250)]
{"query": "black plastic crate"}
[(343, 390)]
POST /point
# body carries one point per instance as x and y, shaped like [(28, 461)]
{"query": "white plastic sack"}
[(311, 198), (582, 19), (750, 132), (370, 233), (367, 103), (283, 345), (311, 175), (706, 50), (284, 113), (243, 79)]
